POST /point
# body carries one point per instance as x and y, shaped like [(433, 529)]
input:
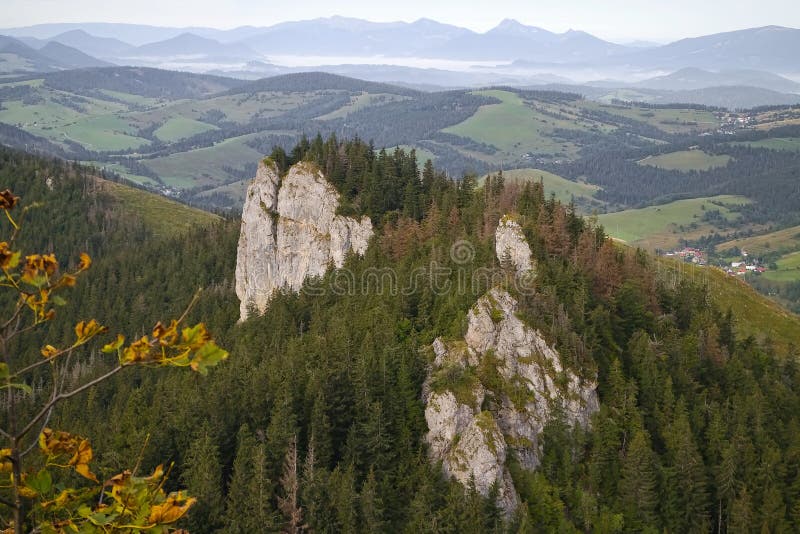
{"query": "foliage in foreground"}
[(39, 489), (317, 421)]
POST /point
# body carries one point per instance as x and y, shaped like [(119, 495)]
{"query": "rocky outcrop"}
[(491, 394), (511, 245), (290, 231)]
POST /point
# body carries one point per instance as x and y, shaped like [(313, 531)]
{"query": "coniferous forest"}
[(316, 421)]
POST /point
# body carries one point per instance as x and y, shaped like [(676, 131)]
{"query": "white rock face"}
[(290, 231), (472, 433), (510, 241)]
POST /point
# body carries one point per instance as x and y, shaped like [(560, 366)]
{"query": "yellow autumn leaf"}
[(5, 461), (85, 472), (63, 498), (117, 482), (49, 351), (85, 262), (171, 510), (81, 460), (86, 330), (138, 351), (158, 473), (166, 336), (114, 345), (8, 258), (27, 492)]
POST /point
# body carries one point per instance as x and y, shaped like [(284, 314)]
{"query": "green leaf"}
[(193, 335), (3, 371), (57, 300), (207, 356), (41, 482)]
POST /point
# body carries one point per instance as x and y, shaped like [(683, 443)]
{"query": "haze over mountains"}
[(429, 54)]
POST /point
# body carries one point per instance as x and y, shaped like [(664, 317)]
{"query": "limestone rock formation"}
[(290, 231), (491, 395), (510, 243)]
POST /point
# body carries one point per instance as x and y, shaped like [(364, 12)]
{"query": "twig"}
[(62, 396), (36, 442)]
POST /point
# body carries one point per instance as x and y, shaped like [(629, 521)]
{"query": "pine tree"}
[(204, 479), (772, 511), (371, 507), (685, 506), (249, 491), (638, 487), (315, 495), (741, 521), (725, 480), (344, 498)]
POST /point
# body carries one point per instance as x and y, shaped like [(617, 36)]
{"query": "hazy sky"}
[(611, 19)]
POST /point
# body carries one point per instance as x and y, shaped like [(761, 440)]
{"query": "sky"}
[(618, 20)]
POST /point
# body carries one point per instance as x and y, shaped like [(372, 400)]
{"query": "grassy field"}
[(788, 269), (103, 133), (360, 102), (686, 160), (96, 124), (178, 128), (565, 190), (754, 313), (163, 216), (667, 120), (787, 239), (205, 166), (514, 127), (122, 171), (775, 143), (663, 226), (236, 108), (235, 191)]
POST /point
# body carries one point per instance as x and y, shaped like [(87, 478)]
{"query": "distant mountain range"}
[(770, 48), (18, 57), (511, 53)]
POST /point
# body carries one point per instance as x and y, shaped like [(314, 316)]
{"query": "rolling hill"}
[(189, 44), (100, 47), (17, 57), (768, 48), (693, 78)]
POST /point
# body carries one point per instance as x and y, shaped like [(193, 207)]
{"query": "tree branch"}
[(61, 396)]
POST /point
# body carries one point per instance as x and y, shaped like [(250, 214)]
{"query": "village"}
[(744, 265)]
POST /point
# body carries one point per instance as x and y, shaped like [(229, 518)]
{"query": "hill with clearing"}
[(686, 160), (664, 226), (164, 217)]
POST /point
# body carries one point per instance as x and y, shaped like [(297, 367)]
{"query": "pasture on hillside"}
[(686, 160), (663, 226)]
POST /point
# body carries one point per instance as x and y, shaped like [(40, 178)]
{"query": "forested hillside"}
[(317, 416)]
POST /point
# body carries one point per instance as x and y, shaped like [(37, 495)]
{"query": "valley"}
[(399, 275)]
